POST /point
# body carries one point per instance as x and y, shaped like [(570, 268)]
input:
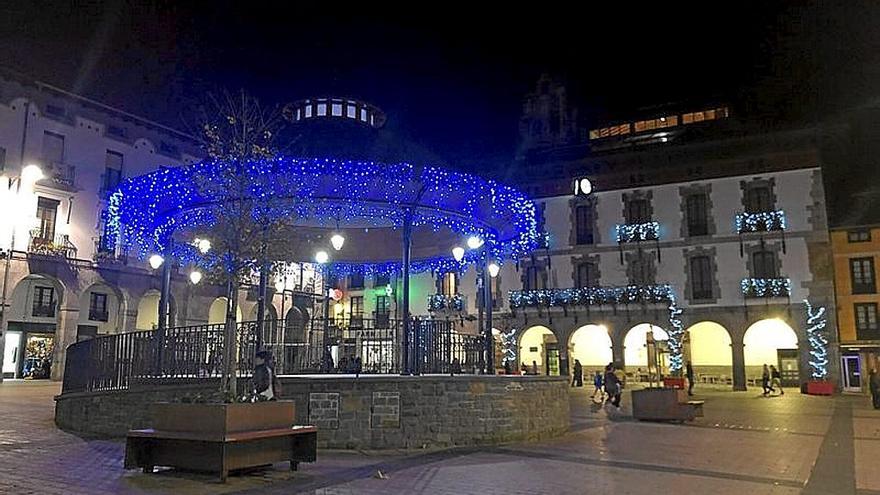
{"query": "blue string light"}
[(145, 211), (766, 287), (635, 232), (766, 221), (441, 302)]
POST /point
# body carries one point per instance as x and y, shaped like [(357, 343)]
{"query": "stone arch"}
[(148, 310), (106, 318), (591, 345), (771, 341), (35, 338), (708, 347), (635, 349), (539, 346), (217, 311)]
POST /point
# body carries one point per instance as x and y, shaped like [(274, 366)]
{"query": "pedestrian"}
[(612, 386), (776, 379), (689, 371), (534, 367), (456, 366), (597, 387), (874, 386), (578, 379), (524, 369), (765, 380), (266, 385), (358, 366)]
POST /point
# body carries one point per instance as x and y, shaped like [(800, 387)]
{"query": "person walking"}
[(689, 372), (266, 385), (534, 367), (578, 379), (776, 379), (765, 380), (874, 386), (612, 386), (597, 387)]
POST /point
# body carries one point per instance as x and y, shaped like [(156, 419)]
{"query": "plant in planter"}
[(816, 334)]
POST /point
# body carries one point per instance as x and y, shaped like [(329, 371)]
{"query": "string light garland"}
[(441, 302), (766, 287), (145, 211), (638, 232), (613, 295), (508, 346), (766, 221), (816, 334)]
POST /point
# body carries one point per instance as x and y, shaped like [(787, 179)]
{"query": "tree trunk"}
[(230, 363)]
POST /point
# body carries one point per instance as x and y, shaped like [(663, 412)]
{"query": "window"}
[(44, 302), (758, 199), (866, 321), (336, 109), (357, 311), (858, 235), (2, 158), (112, 170), (764, 264), (701, 278), (584, 218), (53, 147), (710, 114), (47, 210), (658, 123), (534, 278), (587, 275), (381, 280), (641, 272), (862, 273), (448, 284), (696, 209), (383, 310), (616, 130), (638, 211), (356, 281), (98, 307)]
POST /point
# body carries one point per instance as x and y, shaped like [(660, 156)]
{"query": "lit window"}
[(363, 114), (337, 109), (298, 114), (350, 111), (322, 109), (308, 111)]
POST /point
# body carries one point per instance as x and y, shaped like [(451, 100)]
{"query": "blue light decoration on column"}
[(147, 210), (508, 345), (816, 334), (612, 295)]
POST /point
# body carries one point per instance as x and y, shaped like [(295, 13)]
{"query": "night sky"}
[(450, 76)]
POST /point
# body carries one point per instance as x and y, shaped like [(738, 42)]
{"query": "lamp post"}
[(321, 257)]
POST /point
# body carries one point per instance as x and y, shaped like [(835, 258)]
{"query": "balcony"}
[(590, 296), (96, 315), (765, 221), (58, 245), (441, 302), (638, 232), (59, 175), (43, 310), (765, 287)]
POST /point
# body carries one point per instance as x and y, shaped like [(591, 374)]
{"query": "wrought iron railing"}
[(442, 302), (588, 296), (111, 362), (638, 232), (766, 287), (49, 245), (765, 221)]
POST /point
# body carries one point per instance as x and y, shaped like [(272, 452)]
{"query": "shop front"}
[(28, 350)]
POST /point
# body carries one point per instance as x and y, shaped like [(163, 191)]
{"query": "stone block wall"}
[(369, 412)]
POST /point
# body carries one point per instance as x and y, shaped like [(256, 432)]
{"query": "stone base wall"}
[(369, 412)]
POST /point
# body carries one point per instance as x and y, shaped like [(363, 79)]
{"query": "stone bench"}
[(665, 404)]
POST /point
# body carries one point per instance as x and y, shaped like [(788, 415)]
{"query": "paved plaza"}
[(746, 444)]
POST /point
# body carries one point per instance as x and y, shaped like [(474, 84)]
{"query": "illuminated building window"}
[(322, 109), (617, 130), (862, 274), (866, 321), (350, 111), (658, 123), (710, 114), (337, 109), (363, 114), (858, 236), (308, 111)]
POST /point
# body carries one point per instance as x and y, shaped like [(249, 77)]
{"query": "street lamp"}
[(195, 277), (474, 242), (156, 261), (337, 241), (203, 245), (322, 257), (494, 269), (458, 253)]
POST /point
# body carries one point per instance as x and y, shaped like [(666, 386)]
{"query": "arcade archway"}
[(539, 351), (771, 342), (635, 354), (591, 345), (710, 353)]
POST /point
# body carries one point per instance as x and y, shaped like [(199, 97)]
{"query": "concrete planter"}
[(222, 419), (664, 404), (674, 382)]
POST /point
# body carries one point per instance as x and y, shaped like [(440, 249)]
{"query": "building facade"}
[(856, 251)]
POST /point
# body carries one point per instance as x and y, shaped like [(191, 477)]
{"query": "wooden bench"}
[(220, 452)]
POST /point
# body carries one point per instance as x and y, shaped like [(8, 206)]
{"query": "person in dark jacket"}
[(578, 379), (597, 387), (765, 381), (874, 386), (266, 385), (689, 372), (776, 379), (612, 386)]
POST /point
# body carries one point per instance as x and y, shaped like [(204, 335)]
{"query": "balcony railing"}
[(766, 287), (44, 310), (59, 174), (765, 221), (58, 245), (442, 302), (585, 296), (638, 232)]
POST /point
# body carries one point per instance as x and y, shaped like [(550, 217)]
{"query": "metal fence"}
[(110, 362)]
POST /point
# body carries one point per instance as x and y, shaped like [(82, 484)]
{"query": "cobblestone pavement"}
[(746, 444)]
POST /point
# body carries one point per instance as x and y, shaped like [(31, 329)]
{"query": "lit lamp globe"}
[(458, 253), (195, 276), (279, 286), (156, 261), (337, 241), (474, 242), (494, 269), (204, 245), (322, 257), (31, 173)]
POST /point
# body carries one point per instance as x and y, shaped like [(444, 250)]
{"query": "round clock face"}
[(583, 187)]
